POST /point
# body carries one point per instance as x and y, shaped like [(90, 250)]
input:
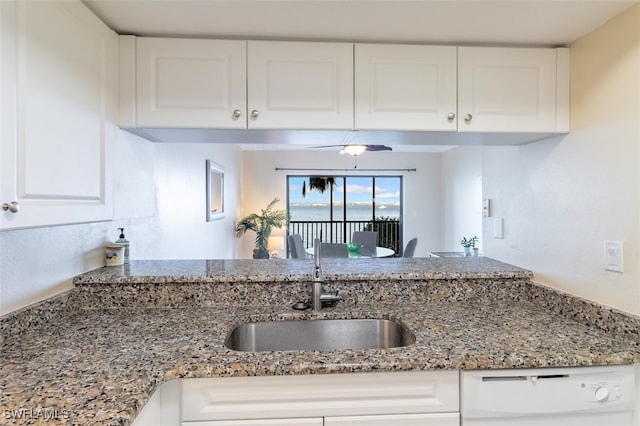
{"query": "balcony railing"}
[(389, 234)]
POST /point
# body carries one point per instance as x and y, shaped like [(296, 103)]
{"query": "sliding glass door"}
[(333, 207)]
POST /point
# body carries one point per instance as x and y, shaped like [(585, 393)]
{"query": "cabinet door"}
[(297, 85), (400, 87), (318, 395), (259, 422), (191, 83), (506, 89), (436, 419), (58, 108)]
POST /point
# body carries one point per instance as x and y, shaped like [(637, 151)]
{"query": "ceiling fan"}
[(356, 148)]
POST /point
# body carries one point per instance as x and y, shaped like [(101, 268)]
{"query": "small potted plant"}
[(468, 244), (262, 224)]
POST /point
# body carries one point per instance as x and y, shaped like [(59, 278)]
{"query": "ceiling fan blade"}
[(327, 146), (368, 147), (378, 148)]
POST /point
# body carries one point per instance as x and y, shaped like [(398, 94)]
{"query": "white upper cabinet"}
[(226, 84), (512, 90), (298, 85), (58, 101), (289, 85), (191, 83), (405, 87)]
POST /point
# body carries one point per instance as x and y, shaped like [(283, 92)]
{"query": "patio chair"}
[(368, 240), (335, 250), (296, 247), (410, 250)]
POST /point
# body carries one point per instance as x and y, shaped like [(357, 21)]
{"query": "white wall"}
[(41, 262), (159, 198), (180, 229), (461, 196), (561, 198), (422, 189)]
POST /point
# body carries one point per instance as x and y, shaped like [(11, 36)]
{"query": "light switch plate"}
[(613, 255), (497, 227), (486, 207)]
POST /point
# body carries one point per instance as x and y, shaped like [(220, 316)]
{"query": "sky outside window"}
[(359, 198), (387, 196)]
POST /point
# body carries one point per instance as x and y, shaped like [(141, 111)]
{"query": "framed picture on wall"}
[(215, 191)]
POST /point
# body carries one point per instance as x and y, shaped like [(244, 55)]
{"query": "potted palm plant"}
[(262, 224)]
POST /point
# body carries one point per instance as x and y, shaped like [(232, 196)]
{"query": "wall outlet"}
[(613, 255)]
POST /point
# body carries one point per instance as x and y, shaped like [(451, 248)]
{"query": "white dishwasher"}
[(583, 396)]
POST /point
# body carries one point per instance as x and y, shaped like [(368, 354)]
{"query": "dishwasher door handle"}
[(523, 378)]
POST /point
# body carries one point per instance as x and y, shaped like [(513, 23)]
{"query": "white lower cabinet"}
[(163, 408), (378, 399), (439, 419), (260, 422)]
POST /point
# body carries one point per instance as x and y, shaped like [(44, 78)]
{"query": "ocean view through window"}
[(333, 207)]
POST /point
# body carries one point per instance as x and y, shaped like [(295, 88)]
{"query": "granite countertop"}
[(277, 270), (99, 366)]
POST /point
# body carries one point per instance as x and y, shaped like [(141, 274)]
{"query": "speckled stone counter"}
[(277, 270), (97, 353)]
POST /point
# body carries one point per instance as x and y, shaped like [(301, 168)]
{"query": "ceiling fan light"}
[(355, 150)]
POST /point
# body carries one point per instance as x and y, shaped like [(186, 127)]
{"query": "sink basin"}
[(318, 335)]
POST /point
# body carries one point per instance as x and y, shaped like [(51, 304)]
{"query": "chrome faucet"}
[(317, 267), (318, 292)]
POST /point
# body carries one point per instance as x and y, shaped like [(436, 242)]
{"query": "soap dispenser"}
[(122, 241)]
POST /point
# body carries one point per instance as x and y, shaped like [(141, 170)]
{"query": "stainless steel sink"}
[(318, 335)]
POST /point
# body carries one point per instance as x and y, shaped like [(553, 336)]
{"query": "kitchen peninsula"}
[(98, 352)]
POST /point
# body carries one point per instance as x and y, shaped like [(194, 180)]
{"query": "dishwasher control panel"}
[(602, 391), (545, 393)]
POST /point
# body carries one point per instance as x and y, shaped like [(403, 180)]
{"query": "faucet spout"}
[(318, 293), (317, 267)]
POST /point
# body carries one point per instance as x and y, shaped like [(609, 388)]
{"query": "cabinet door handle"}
[(255, 113), (451, 116), (236, 113), (13, 207), (468, 117)]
